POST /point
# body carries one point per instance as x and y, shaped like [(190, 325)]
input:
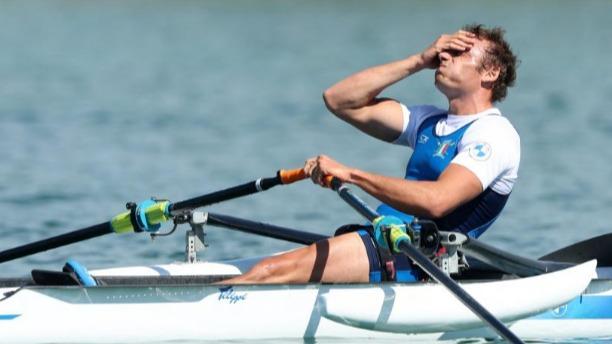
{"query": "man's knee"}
[(275, 269), (265, 269)]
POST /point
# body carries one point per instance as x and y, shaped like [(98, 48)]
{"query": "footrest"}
[(72, 273)]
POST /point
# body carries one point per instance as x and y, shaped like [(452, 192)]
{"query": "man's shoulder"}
[(495, 124), (495, 132), (414, 116), (420, 113), (425, 110)]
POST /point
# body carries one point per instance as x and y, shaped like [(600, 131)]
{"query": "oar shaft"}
[(258, 185), (223, 195), (580, 252), (505, 261), (56, 241), (264, 229), (356, 203)]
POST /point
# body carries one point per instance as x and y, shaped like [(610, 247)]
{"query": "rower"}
[(463, 166)]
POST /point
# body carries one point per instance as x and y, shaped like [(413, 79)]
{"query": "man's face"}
[(459, 72)]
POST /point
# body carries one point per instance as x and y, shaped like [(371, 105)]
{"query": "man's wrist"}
[(415, 63), (355, 176)]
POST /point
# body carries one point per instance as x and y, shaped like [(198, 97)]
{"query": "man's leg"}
[(339, 259)]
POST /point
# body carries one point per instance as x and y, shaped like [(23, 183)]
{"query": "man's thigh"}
[(347, 260)]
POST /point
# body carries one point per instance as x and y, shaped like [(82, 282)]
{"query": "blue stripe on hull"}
[(8, 316), (584, 307)]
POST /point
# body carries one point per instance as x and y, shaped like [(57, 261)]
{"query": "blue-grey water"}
[(103, 102)]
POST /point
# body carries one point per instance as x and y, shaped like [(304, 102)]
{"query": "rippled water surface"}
[(107, 102)]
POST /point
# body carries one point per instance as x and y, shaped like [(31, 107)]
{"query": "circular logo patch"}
[(480, 151), (560, 311)]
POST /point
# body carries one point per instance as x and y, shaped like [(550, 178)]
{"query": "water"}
[(107, 102)]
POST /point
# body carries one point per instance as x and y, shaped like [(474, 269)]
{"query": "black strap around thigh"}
[(322, 248)]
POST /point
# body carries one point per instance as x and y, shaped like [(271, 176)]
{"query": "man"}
[(462, 170)]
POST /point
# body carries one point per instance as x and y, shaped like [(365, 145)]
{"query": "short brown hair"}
[(500, 55)]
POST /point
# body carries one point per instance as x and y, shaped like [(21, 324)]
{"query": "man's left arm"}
[(432, 199), (490, 150)]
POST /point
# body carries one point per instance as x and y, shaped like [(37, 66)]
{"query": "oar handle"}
[(291, 176), (332, 182)]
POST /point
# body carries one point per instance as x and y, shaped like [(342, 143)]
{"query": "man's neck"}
[(468, 106)]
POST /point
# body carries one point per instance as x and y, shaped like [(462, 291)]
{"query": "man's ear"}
[(490, 75)]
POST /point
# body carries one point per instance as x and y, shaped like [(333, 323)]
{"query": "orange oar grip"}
[(291, 176), (327, 180)]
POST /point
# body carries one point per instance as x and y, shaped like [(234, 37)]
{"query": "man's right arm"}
[(355, 101)]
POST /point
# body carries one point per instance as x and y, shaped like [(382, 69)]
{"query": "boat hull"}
[(133, 314)]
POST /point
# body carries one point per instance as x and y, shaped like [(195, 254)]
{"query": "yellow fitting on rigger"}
[(397, 234), (122, 223), (377, 220), (156, 213)]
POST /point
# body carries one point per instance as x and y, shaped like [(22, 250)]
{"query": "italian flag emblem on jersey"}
[(443, 148)]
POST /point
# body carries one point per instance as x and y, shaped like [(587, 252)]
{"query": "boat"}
[(174, 302), (475, 290), (178, 301)]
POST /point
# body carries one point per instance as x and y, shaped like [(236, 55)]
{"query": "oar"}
[(492, 257), (580, 252), (403, 244), (264, 229), (487, 257), (148, 215)]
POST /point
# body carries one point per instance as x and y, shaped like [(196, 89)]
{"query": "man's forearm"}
[(418, 198), (361, 88)]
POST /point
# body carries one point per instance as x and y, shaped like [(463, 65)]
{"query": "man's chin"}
[(443, 86), (439, 83)]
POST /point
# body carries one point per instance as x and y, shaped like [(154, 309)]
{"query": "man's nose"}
[(444, 56)]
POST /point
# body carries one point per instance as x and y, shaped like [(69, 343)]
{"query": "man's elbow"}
[(337, 104), (330, 99), (438, 207)]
